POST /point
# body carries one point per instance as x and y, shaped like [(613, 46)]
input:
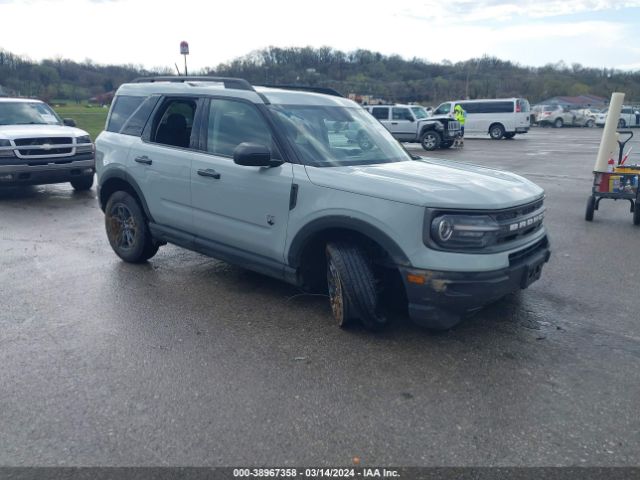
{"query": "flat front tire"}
[(127, 229), (352, 286)]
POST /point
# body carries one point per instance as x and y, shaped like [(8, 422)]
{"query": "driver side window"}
[(231, 123)]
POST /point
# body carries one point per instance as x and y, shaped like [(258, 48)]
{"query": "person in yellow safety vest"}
[(460, 115)]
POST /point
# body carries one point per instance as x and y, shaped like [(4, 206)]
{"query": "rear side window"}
[(491, 107), (523, 105), (137, 121), (122, 108), (381, 113), (174, 121)]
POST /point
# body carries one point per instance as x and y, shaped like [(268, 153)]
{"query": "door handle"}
[(143, 159), (209, 172)]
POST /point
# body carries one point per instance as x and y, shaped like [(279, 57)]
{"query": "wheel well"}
[(114, 185), (312, 266), (496, 123), (427, 128)]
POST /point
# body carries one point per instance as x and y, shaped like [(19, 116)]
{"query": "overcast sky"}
[(598, 33)]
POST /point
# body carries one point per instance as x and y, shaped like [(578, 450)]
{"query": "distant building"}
[(579, 101)]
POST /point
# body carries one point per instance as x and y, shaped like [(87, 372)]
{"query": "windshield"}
[(27, 113), (419, 112), (442, 109), (337, 136)]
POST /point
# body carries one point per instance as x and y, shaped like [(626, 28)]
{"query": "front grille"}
[(519, 222), (22, 142), (44, 147), (453, 125)]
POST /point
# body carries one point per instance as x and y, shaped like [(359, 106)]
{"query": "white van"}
[(499, 117)]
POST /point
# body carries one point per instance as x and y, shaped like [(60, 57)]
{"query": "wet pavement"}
[(186, 360)]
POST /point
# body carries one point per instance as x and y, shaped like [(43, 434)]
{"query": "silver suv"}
[(260, 177), (38, 147)]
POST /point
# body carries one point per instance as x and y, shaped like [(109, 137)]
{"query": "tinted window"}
[(489, 107), (139, 118), (174, 121), (626, 110), (401, 114), (380, 113), (232, 123), (122, 108)]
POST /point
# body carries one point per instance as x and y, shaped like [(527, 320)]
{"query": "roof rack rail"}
[(228, 82), (303, 88)]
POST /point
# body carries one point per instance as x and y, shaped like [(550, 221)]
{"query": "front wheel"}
[(591, 206), (83, 183), (496, 131), (352, 286), (127, 229), (589, 124), (558, 123), (430, 140)]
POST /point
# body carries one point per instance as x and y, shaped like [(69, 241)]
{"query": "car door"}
[(160, 162), (238, 209), (402, 124)]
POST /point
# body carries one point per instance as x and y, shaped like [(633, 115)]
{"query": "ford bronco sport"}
[(255, 176), (37, 147)]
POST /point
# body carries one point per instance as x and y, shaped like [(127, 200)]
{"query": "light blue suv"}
[(260, 177)]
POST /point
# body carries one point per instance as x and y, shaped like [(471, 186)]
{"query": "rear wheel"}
[(591, 206), (558, 123), (589, 124), (127, 229), (496, 131), (82, 183), (430, 140), (352, 286)]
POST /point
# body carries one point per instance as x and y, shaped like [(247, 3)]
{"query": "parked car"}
[(410, 123), (499, 118), (38, 147), (559, 116), (628, 117), (254, 176)]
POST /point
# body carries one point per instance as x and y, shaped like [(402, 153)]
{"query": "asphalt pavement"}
[(189, 361)]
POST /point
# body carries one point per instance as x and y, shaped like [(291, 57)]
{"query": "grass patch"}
[(91, 119)]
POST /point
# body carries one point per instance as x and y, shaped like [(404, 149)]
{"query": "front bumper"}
[(444, 298), (57, 171)]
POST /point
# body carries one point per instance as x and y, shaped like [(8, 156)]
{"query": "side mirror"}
[(410, 119), (69, 122), (254, 155)]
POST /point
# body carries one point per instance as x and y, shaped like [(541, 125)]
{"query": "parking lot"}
[(186, 360)]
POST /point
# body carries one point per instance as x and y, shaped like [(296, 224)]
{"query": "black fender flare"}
[(121, 174), (341, 222)]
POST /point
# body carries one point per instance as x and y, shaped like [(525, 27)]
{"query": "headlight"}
[(4, 151), (464, 231), (84, 144)]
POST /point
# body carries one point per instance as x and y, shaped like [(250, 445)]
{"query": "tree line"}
[(390, 77)]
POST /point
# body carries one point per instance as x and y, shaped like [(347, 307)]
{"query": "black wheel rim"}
[(335, 293), (122, 227)]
